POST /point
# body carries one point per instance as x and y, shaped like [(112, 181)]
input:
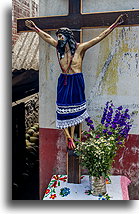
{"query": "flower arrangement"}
[(99, 144)]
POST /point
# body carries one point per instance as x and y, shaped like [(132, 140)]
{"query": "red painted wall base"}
[(52, 155), (127, 163)]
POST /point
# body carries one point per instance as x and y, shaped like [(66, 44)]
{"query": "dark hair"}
[(70, 39)]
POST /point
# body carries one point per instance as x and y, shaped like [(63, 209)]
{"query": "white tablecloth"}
[(59, 189)]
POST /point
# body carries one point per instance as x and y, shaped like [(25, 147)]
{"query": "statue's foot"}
[(71, 144)]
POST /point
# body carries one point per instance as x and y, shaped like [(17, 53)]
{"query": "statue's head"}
[(65, 35)]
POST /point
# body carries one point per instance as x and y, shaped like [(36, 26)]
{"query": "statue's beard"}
[(62, 44), (61, 47)]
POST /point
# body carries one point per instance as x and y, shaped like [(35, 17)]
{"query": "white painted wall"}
[(49, 72), (49, 67), (111, 71), (90, 6), (110, 68), (53, 7)]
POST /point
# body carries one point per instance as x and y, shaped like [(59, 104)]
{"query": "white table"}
[(117, 189)]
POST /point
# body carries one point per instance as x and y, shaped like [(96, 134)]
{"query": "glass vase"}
[(97, 185)]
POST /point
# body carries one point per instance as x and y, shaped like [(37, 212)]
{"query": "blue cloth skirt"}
[(71, 102)]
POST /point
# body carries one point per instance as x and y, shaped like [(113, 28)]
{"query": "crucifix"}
[(70, 55)]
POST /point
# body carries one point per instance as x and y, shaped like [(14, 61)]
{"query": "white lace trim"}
[(70, 110), (60, 124)]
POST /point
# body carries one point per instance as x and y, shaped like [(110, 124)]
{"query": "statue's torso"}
[(76, 64)]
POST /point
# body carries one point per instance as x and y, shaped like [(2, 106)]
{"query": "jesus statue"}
[(71, 103)]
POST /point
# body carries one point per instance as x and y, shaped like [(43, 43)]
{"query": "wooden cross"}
[(78, 20)]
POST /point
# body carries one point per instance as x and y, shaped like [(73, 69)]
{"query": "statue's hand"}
[(30, 24), (121, 19)]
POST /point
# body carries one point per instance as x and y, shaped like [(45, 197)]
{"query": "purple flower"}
[(113, 126), (125, 130), (89, 122), (103, 117), (88, 118), (120, 108), (88, 135), (115, 121), (109, 133), (108, 120), (92, 126), (119, 143), (105, 113), (105, 130), (109, 115), (98, 136), (126, 115)]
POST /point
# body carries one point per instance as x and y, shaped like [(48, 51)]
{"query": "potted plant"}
[(101, 142)]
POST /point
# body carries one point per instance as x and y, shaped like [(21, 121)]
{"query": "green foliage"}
[(97, 154)]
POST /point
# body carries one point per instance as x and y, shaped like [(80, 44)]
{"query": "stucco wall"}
[(89, 6), (111, 71)]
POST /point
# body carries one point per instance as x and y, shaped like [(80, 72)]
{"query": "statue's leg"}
[(70, 141), (72, 131), (67, 133)]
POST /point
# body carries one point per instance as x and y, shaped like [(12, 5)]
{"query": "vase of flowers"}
[(97, 185), (100, 144)]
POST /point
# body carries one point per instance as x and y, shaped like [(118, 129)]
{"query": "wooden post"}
[(73, 166)]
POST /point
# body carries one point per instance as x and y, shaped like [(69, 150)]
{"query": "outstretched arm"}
[(105, 33), (45, 36)]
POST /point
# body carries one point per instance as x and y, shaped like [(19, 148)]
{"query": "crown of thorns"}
[(65, 31)]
